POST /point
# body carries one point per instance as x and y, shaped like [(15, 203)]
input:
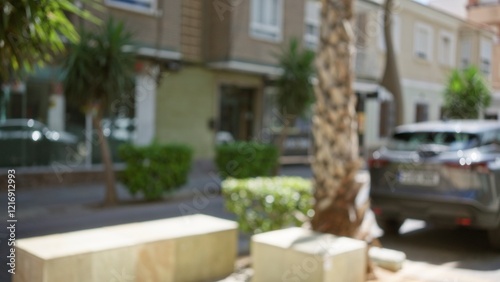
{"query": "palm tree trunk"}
[(109, 174), (334, 124), (289, 120), (336, 156), (391, 80)]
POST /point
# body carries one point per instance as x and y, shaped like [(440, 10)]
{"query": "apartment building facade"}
[(487, 12), (429, 44), (432, 44), (205, 67), (217, 61)]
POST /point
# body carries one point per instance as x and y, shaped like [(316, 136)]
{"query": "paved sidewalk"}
[(56, 210), (49, 210), (50, 201)]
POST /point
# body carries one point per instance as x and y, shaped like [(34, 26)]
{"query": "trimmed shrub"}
[(268, 203), (155, 169), (246, 159)]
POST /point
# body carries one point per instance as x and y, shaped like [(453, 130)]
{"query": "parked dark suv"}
[(445, 172)]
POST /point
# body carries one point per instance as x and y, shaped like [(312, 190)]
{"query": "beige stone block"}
[(297, 254), (389, 259), (190, 248), (156, 261), (25, 260), (72, 268), (194, 260)]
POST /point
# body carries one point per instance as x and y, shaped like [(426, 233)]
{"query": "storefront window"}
[(39, 126)]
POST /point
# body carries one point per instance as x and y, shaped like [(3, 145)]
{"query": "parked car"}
[(444, 172), (122, 129), (27, 142)]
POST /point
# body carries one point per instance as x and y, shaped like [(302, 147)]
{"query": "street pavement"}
[(440, 255)]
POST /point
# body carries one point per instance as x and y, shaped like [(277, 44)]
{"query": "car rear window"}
[(411, 141)]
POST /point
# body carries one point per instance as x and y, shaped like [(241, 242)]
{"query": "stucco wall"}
[(185, 104), (156, 31), (189, 99), (415, 92), (245, 47)]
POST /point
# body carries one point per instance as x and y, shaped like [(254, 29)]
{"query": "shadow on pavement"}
[(464, 248)]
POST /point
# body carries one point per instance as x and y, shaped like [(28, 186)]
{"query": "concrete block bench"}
[(188, 248), (297, 254)]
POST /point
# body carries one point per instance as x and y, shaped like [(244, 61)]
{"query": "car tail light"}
[(481, 167), (464, 221), (377, 163)]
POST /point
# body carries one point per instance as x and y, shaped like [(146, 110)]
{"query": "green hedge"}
[(246, 159), (268, 203), (155, 169)]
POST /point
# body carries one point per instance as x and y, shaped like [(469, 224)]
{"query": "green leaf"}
[(267, 203), (466, 94), (155, 169), (38, 27)]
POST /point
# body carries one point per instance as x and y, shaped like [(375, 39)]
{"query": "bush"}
[(155, 169), (246, 159), (268, 203)]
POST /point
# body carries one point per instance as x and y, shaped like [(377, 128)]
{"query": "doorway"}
[(237, 111)]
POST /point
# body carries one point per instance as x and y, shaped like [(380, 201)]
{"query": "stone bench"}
[(297, 254), (189, 248)]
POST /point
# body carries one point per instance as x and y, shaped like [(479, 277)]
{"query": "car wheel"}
[(494, 237), (390, 226)]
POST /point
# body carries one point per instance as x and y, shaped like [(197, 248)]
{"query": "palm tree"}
[(98, 71), (336, 156), (466, 94), (390, 79), (31, 33), (295, 93)]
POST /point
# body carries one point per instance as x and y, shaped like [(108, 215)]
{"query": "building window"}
[(485, 56), (312, 24), (422, 44), (147, 6), (266, 19), (446, 49), (465, 53), (396, 32), (360, 30)]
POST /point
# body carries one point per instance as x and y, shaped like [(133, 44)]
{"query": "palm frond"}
[(32, 32), (98, 69), (294, 85)]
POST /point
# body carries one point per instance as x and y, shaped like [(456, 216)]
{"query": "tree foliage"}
[(466, 94), (263, 204), (98, 69), (33, 32), (295, 93)]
